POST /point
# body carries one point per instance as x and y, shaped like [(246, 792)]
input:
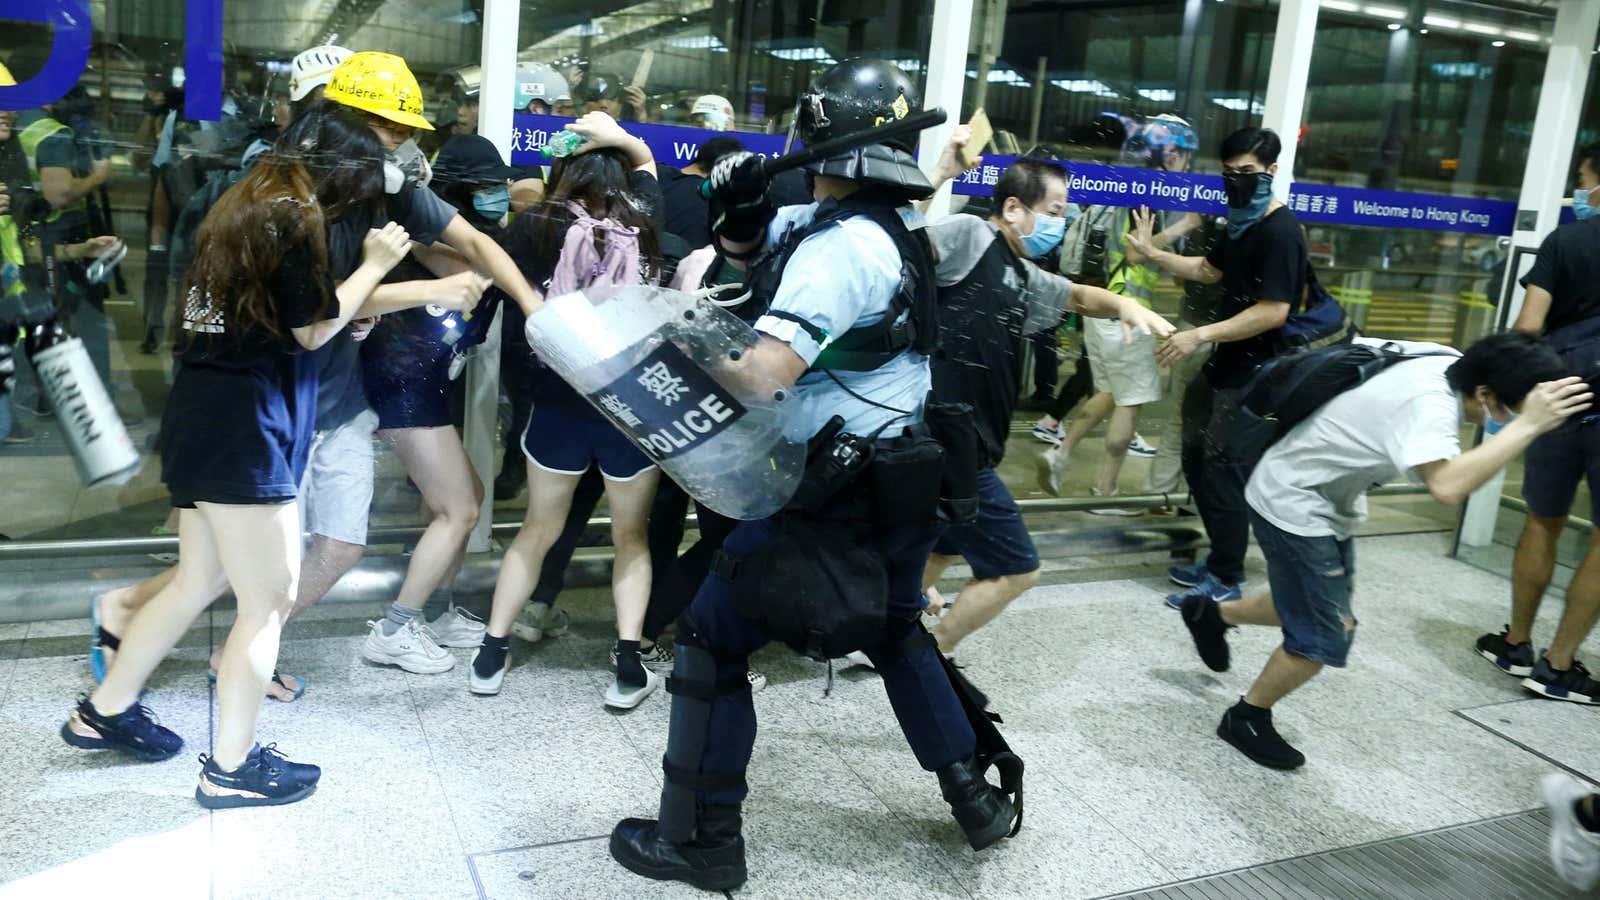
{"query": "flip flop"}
[(277, 678)]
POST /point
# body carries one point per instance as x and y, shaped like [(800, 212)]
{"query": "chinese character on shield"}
[(660, 382), (613, 404)]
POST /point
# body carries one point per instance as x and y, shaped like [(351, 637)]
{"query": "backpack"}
[(1288, 389), (1083, 250)]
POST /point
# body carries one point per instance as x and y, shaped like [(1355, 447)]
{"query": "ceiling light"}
[(1159, 95), (1394, 26), (1384, 12), (1422, 31), (1497, 43), (1340, 5), (1480, 28), (1523, 36), (1441, 21)]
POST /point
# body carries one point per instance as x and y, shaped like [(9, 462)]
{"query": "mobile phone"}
[(642, 74), (982, 133)]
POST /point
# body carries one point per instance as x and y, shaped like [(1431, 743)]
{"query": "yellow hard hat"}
[(5, 77), (379, 83)]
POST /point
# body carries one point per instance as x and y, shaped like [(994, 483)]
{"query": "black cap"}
[(470, 159), (598, 86)]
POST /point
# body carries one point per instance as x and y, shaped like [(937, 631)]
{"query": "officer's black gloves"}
[(741, 203)]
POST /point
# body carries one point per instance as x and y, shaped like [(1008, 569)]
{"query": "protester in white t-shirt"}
[(1308, 493)]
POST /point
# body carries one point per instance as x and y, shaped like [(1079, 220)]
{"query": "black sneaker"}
[(133, 731), (1512, 659), (265, 778), (1253, 735), (1210, 633), (1573, 685)]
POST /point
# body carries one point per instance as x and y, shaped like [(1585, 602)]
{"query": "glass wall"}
[(128, 110)]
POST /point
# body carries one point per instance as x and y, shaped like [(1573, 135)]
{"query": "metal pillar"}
[(495, 101), (1286, 83), (1544, 185), (947, 71)]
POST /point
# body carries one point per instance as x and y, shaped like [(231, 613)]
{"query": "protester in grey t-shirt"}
[(1309, 492)]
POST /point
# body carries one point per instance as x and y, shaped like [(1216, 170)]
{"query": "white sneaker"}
[(756, 679), (1049, 435), (456, 628), (1141, 447), (621, 696), (1052, 469), (537, 622), (409, 647), (856, 658), (1574, 850), (486, 687)]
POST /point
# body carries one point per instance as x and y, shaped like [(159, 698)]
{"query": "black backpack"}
[(1287, 389)]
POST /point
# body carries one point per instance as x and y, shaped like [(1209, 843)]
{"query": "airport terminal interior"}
[(1424, 761)]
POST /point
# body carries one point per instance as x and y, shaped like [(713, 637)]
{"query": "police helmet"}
[(853, 96)]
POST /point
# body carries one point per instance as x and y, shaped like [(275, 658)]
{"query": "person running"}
[(589, 233), (991, 293), (237, 432), (407, 370), (1308, 494), (1125, 374), (1264, 269), (1562, 303)]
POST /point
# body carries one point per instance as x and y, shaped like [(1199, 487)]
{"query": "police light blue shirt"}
[(838, 279)]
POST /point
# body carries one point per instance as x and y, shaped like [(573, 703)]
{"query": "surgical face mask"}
[(1493, 426), (493, 202), (1580, 204), (1046, 235), (405, 163), (1249, 195)]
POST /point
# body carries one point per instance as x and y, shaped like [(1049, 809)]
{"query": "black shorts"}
[(997, 543)]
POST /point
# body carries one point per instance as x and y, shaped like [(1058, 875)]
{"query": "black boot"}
[(713, 861), (982, 811)]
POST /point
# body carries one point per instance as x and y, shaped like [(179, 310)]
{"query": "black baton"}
[(877, 134)]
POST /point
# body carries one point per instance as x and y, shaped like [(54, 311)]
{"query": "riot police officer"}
[(849, 296)]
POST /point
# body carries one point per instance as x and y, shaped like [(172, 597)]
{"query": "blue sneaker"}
[(265, 778), (133, 731), (1188, 576), (1211, 588)]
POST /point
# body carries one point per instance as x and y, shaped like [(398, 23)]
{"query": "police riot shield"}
[(671, 372)]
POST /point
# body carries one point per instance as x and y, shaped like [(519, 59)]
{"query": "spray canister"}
[(95, 433)]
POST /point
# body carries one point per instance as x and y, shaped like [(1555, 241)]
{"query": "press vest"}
[(31, 137), (1125, 278)]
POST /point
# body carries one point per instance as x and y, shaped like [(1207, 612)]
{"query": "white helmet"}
[(537, 81), (717, 110), (313, 68)]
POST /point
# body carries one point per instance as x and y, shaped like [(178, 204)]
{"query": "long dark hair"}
[(599, 181), (326, 164)]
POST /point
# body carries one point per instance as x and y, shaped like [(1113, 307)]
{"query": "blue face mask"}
[(1247, 201), (492, 203), (1491, 426), (1580, 204), (1047, 234)]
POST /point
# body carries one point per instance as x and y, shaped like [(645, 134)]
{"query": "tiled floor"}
[(432, 793)]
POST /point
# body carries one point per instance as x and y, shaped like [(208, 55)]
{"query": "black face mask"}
[(1241, 187)]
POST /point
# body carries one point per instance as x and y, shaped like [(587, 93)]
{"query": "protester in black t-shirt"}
[(236, 435), (1562, 303), (1261, 263), (685, 211)]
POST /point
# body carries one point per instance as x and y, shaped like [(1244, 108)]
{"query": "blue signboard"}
[(1094, 184), (673, 145)]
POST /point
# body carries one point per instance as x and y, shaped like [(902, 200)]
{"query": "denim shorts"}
[(997, 543), (1312, 579)]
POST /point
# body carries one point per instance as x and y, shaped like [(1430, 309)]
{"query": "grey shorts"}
[(337, 493)]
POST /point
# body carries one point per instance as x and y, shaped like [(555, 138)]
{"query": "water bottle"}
[(666, 370), (563, 143), (99, 442)]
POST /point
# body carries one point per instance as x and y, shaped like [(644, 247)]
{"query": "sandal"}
[(283, 694)]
